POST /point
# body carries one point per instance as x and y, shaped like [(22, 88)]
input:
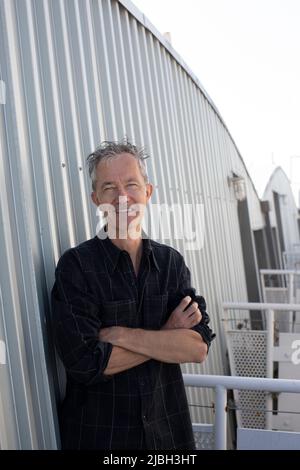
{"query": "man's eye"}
[(108, 188)]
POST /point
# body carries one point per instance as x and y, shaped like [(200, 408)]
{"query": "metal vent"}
[(248, 357)]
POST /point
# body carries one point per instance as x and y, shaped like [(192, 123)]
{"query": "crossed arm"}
[(174, 343)]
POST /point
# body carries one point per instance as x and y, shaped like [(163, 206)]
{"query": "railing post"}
[(291, 300), (220, 418), (262, 280), (269, 371)]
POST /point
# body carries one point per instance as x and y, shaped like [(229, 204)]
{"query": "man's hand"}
[(110, 334), (181, 318)]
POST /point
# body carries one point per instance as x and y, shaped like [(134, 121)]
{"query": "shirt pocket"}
[(155, 311), (119, 313)]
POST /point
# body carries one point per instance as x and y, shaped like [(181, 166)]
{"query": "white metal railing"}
[(287, 292), (291, 277), (222, 383), (269, 309)]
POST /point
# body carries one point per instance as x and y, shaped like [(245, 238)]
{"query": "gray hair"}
[(109, 149)]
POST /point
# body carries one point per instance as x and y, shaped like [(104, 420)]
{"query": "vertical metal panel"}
[(28, 389), (78, 72)]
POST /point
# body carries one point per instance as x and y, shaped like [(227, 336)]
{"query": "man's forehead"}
[(123, 166)]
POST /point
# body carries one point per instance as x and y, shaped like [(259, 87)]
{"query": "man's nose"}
[(122, 191)]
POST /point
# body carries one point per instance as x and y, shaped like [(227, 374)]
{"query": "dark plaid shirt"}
[(144, 407)]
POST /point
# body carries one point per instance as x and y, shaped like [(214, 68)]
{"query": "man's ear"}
[(149, 190)]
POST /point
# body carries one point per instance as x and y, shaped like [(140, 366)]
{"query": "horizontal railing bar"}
[(259, 306), (277, 289), (279, 271), (242, 383)]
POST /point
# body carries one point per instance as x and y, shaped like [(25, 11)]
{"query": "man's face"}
[(121, 191)]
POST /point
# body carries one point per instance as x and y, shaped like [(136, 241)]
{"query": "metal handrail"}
[(279, 271), (222, 383), (260, 306)]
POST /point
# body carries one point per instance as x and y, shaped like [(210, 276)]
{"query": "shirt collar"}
[(112, 252)]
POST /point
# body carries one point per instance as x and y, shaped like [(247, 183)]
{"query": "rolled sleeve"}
[(202, 328), (184, 289), (76, 324)]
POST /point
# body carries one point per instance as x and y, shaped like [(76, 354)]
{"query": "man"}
[(124, 320)]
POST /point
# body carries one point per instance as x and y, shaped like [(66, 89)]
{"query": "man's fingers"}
[(186, 314), (187, 305), (191, 309), (196, 316), (184, 302)]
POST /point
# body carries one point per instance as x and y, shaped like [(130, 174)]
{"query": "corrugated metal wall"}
[(78, 72)]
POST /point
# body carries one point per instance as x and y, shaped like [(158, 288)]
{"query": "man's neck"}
[(128, 244), (134, 247)]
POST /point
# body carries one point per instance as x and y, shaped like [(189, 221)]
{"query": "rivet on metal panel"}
[(80, 168), (2, 92), (63, 164)]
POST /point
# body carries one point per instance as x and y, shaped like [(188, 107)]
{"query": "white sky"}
[(246, 53)]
